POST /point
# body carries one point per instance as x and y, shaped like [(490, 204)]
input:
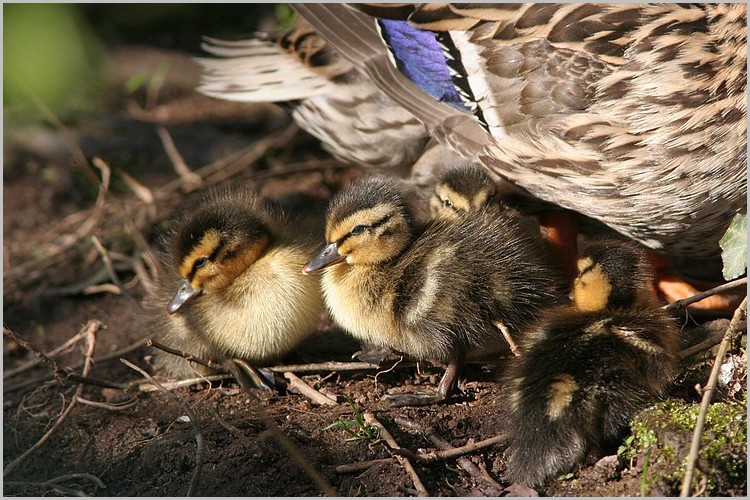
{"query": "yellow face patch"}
[(457, 200), (482, 199), (205, 247), (591, 289), (561, 394), (584, 263)]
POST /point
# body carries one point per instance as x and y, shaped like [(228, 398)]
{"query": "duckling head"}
[(366, 224), (461, 190), (611, 273), (212, 246)]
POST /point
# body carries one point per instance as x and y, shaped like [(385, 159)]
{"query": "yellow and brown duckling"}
[(462, 189), (588, 368), (443, 293), (234, 282)]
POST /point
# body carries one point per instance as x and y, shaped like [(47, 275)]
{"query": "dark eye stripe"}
[(587, 269), (198, 263), (374, 225)]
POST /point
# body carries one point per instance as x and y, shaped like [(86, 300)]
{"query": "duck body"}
[(631, 114), (586, 369), (245, 298), (436, 293)]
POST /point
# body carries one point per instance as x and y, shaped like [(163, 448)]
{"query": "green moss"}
[(662, 435)]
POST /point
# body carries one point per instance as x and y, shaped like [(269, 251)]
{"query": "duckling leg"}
[(248, 376), (446, 388), (560, 233), (672, 288)]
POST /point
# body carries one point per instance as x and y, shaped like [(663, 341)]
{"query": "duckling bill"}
[(235, 288), (587, 369), (435, 292)]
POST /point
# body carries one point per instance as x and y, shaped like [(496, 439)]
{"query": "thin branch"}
[(90, 332), (330, 366), (692, 457), (110, 406), (508, 338), (34, 362), (682, 303), (702, 346), (109, 265), (116, 354), (186, 382), (370, 419), (436, 456), (186, 355), (360, 466), (303, 388), (195, 480), (189, 178), (463, 462)]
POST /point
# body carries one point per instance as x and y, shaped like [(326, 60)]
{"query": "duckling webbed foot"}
[(250, 377), (446, 388), (377, 355)]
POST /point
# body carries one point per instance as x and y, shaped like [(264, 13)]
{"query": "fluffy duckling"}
[(588, 368), (235, 288), (447, 292), (462, 189)]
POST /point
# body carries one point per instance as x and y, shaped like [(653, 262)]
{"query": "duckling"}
[(586, 369), (465, 188), (446, 292), (235, 286)]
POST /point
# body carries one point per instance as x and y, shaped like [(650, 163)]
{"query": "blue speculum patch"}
[(424, 60)]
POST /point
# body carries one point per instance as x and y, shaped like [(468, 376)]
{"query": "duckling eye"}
[(200, 262), (447, 203), (358, 229)]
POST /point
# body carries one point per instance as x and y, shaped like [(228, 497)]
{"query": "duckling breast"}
[(267, 311)]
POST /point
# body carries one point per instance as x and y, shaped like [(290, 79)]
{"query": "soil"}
[(254, 443)]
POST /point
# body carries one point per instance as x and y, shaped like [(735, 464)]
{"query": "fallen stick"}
[(195, 479), (682, 303), (708, 394), (370, 419), (90, 332), (303, 388)]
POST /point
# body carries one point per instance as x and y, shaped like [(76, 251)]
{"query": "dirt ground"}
[(143, 442)]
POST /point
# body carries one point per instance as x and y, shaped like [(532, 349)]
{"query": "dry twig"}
[(34, 362), (332, 366), (186, 355), (436, 456), (370, 419), (304, 388), (682, 303), (90, 332), (76, 378), (195, 480), (148, 387), (360, 466), (190, 179), (739, 315), (463, 462), (54, 483)]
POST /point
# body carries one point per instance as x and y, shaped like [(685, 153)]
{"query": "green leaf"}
[(734, 247)]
